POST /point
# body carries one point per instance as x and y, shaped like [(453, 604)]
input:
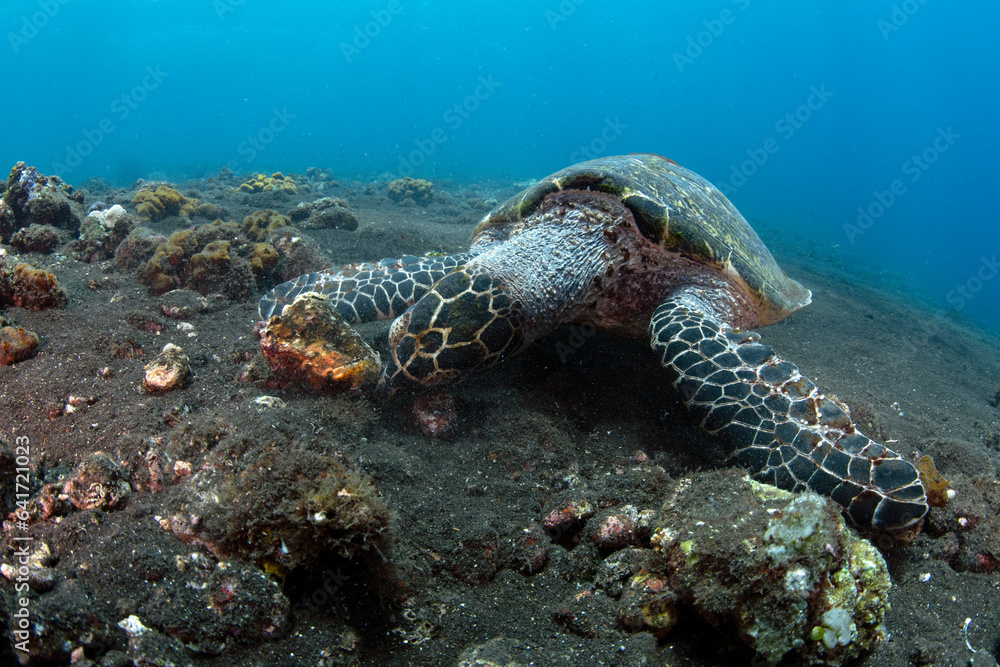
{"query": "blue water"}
[(807, 114)]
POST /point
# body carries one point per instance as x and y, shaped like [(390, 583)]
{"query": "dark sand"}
[(574, 410)]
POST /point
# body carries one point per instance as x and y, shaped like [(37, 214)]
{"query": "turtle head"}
[(466, 322)]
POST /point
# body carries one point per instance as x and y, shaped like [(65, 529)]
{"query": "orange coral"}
[(16, 344)]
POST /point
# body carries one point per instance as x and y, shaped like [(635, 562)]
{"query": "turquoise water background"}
[(862, 131)]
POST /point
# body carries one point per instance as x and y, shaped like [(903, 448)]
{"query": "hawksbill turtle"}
[(634, 245)]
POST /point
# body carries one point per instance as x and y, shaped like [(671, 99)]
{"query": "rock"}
[(35, 199), (42, 239), (325, 213), (280, 507), (182, 304), (436, 414), (168, 371), (102, 232), (98, 483), (137, 248), (67, 619), (310, 344), (209, 606), (780, 570), (34, 289), (564, 521), (617, 530), (16, 344), (100, 222)]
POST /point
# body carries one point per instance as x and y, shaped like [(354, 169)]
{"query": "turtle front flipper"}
[(779, 425), (467, 321), (368, 291)]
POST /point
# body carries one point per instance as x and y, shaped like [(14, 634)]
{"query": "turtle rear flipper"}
[(779, 425), (367, 291)]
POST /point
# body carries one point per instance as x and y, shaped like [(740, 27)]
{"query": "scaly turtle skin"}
[(634, 245)]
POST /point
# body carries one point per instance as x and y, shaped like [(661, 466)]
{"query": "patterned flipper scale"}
[(779, 425), (368, 291)]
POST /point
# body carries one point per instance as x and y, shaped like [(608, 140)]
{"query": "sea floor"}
[(577, 410)]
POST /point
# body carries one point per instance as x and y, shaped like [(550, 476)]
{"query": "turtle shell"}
[(678, 210)]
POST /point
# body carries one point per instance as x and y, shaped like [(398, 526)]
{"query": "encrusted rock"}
[(210, 606), (781, 569), (310, 344), (99, 482), (168, 371), (33, 288), (567, 518), (281, 508), (616, 530), (325, 213), (102, 231), (16, 344), (42, 239), (436, 414), (33, 198)]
